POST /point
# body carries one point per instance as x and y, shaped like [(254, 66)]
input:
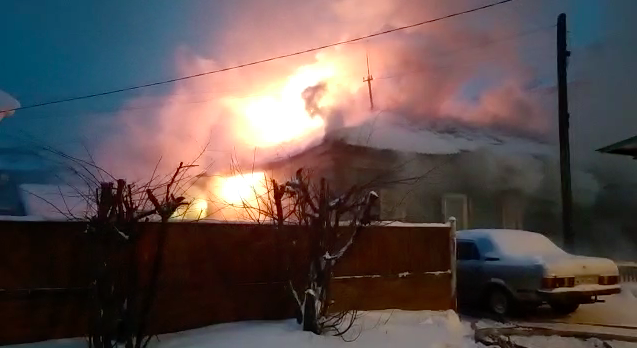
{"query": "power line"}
[(481, 46), (288, 55), (391, 75)]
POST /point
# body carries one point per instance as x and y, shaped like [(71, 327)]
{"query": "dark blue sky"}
[(56, 49)]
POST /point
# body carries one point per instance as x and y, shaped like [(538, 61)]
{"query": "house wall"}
[(318, 161), (433, 177), (410, 185), (485, 211)]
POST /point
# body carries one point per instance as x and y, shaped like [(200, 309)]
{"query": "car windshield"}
[(519, 243)]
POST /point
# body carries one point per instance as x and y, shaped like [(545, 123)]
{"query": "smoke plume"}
[(424, 73), (492, 69)]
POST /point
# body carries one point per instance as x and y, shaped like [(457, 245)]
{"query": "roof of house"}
[(627, 147), (392, 133), (388, 132), (55, 202)]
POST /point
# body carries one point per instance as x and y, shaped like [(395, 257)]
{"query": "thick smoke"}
[(421, 73), (488, 70), (312, 97), (603, 108), (603, 104)]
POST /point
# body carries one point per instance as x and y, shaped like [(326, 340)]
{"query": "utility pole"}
[(369, 80), (565, 152)]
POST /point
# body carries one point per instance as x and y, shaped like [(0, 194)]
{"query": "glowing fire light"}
[(278, 117), (239, 189), (281, 116), (200, 206), (197, 209)]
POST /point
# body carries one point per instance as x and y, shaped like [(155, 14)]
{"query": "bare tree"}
[(119, 310), (113, 232), (332, 223)]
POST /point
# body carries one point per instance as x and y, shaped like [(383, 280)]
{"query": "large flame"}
[(241, 189), (280, 116), (238, 197), (425, 72)]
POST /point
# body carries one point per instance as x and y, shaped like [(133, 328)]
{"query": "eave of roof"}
[(627, 147)]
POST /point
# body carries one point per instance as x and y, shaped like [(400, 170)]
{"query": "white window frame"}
[(464, 219)]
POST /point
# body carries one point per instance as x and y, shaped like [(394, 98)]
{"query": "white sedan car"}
[(508, 269)]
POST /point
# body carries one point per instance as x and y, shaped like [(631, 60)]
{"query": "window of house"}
[(467, 251), (455, 205)]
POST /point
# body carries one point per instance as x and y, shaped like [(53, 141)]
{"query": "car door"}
[(469, 271)]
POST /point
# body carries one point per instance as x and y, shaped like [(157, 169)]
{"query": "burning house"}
[(481, 178)]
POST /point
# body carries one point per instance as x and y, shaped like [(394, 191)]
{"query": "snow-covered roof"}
[(387, 131), (53, 202)]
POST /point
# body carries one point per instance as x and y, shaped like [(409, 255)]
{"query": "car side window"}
[(467, 251)]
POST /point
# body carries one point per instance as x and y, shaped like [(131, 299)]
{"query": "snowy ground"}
[(563, 342), (398, 329), (618, 316), (373, 330), (619, 309)]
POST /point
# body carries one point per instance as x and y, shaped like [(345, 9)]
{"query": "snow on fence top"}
[(342, 223), (410, 224)]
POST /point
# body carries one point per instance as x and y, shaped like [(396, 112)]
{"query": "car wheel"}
[(499, 301), (564, 307)]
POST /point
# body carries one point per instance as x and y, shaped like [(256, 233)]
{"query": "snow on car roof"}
[(491, 233), (514, 242)]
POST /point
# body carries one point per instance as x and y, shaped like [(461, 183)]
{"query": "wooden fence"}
[(214, 273)]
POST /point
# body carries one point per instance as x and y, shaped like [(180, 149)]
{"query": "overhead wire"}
[(276, 87), (471, 48), (256, 62)]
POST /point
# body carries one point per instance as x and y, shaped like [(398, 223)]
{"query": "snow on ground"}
[(379, 329), (397, 329), (620, 309), (564, 342), (400, 329), (374, 329)]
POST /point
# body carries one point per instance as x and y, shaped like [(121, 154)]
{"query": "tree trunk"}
[(309, 313)]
